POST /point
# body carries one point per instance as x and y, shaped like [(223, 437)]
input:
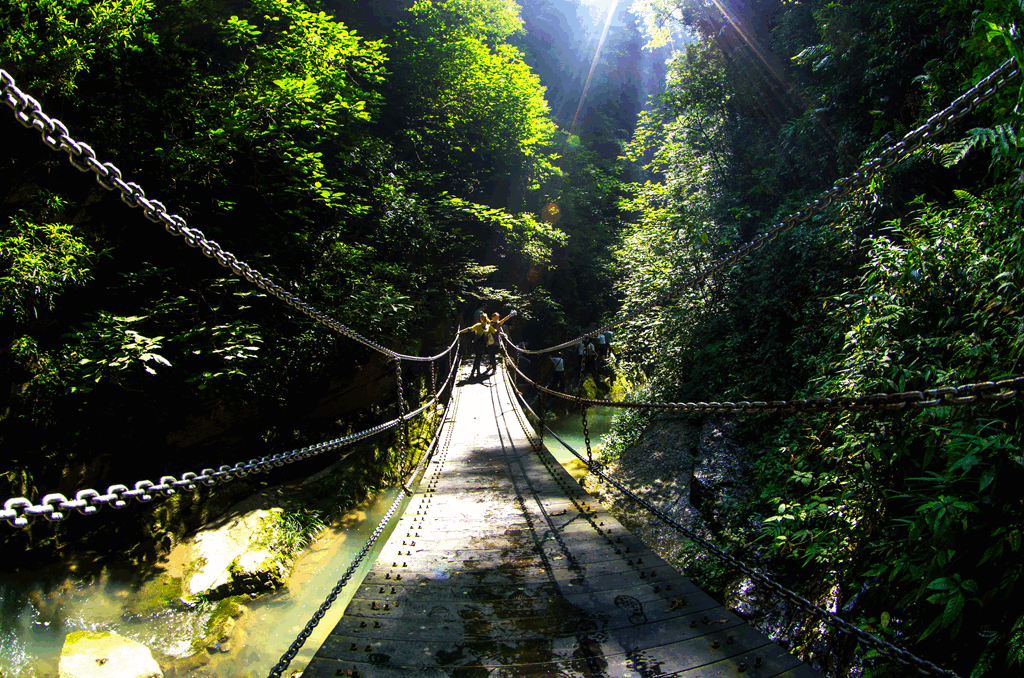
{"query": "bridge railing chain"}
[(868, 639), (293, 650), (913, 140), (55, 507), (54, 133), (946, 396)]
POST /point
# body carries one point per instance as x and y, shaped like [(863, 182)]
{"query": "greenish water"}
[(570, 429), (37, 614)]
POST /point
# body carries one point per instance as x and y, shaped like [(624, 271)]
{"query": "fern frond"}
[(951, 154), (965, 196)]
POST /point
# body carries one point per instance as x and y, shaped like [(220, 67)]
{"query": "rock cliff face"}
[(701, 475), (694, 474)]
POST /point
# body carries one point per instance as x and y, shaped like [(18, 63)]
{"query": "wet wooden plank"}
[(503, 566)]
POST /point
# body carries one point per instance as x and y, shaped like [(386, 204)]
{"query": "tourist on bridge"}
[(493, 330), (480, 333), (608, 343), (481, 312), (559, 377), (602, 348), (590, 359)]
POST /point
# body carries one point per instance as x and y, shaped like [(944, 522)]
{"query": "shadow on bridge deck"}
[(503, 566)]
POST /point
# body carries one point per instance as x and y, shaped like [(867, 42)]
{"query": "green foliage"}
[(368, 177), (62, 38), (40, 261), (927, 501), (471, 108), (298, 529), (109, 346), (916, 510), (518, 235)]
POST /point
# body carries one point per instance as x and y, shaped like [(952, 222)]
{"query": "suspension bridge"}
[(502, 565)]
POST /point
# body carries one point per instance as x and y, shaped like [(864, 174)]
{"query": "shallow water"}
[(36, 615), (570, 429), (272, 623)]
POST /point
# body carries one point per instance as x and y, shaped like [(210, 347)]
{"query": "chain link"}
[(433, 380), (535, 443), (583, 414), (883, 647), (946, 396), (586, 433), (29, 113), (403, 433), (863, 176), (293, 650), (55, 507)]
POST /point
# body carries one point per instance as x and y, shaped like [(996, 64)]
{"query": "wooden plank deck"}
[(503, 566)]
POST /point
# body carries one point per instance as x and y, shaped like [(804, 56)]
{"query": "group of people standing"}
[(485, 336), (588, 355), (486, 331), (599, 346)]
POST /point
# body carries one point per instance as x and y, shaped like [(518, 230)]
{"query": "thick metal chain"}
[(511, 382), (840, 624), (947, 396), (520, 412), (55, 134), (433, 380), (55, 507), (586, 434), (403, 433), (913, 140), (293, 650), (583, 414)]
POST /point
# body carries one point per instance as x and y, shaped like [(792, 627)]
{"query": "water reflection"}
[(36, 615), (570, 429)]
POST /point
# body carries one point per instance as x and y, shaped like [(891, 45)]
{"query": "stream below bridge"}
[(37, 611)]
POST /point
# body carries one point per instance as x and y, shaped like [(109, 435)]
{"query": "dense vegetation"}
[(393, 178), (913, 282), (383, 180)]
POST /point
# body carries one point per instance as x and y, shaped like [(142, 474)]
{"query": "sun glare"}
[(611, 5)]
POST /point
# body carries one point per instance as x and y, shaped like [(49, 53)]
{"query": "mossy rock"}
[(186, 665), (591, 390), (218, 627), (621, 387), (258, 571), (252, 554), (90, 654), (152, 597)]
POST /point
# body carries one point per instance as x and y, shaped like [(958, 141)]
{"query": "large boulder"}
[(87, 654), (243, 554)]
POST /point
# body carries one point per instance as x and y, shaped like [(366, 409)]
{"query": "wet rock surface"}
[(105, 655), (237, 555), (676, 467)]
